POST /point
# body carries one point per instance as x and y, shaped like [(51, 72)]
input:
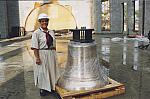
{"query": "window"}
[(105, 20), (124, 7), (136, 15)]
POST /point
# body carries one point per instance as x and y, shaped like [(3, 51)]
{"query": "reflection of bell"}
[(83, 71)]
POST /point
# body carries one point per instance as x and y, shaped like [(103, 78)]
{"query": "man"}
[(44, 47)]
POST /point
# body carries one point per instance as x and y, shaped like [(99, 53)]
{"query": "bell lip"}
[(62, 82)]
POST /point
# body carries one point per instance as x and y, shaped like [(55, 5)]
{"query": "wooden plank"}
[(112, 89), (101, 95), (107, 87), (108, 94)]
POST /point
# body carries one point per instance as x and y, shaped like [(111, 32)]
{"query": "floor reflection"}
[(135, 56), (2, 72), (105, 49), (124, 51)]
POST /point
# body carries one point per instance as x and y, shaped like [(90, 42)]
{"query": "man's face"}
[(44, 23)]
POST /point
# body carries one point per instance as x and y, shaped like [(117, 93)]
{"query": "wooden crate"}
[(112, 89)]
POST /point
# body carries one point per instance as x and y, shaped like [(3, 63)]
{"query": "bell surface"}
[(83, 70)]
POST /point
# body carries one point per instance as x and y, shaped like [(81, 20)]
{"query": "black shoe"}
[(54, 92), (44, 92), (146, 46)]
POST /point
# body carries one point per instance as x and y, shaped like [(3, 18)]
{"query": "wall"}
[(147, 17), (13, 17), (97, 16), (116, 18), (3, 20), (82, 11), (24, 9), (86, 13)]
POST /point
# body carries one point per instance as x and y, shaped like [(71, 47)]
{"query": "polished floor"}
[(127, 64)]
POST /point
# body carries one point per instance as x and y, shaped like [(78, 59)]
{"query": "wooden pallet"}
[(112, 89)]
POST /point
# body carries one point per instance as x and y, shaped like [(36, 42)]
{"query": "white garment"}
[(116, 39), (46, 74), (143, 41)]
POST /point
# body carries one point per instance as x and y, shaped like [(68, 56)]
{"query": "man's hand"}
[(53, 48), (38, 61)]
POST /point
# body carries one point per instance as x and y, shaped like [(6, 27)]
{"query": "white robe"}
[(46, 74)]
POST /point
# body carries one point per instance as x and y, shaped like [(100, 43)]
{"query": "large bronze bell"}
[(83, 70)]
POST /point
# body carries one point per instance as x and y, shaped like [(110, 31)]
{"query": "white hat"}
[(43, 16)]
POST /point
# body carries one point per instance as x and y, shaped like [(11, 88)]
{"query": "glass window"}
[(124, 6), (105, 20), (136, 15)]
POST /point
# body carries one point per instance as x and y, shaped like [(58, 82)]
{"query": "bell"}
[(83, 70)]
